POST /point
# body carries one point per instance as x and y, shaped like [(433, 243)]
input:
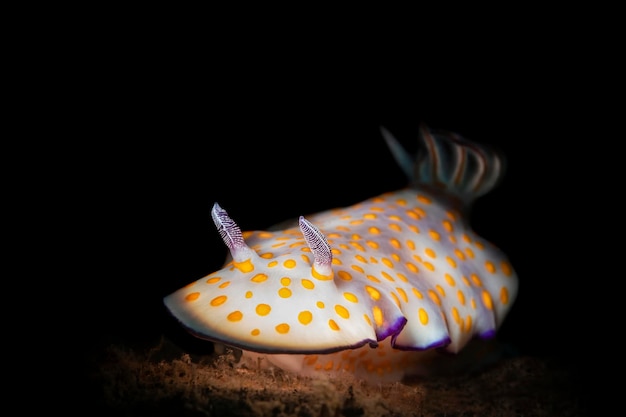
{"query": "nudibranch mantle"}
[(370, 289)]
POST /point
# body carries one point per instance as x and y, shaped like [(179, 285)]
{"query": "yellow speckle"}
[(305, 317), (372, 244), (395, 257), (213, 280), (504, 295), (414, 228), (373, 278), (449, 279), (417, 293), (255, 332), (470, 253), (506, 268), (289, 263), (476, 280), (451, 261), (358, 246), (282, 328), (337, 261), (267, 255), (335, 251), (357, 268), (461, 297), (333, 325), (373, 292), (410, 244), (248, 294), (395, 218), (423, 316), (284, 292), (430, 252), (344, 276), (258, 278), (278, 245), (466, 238), (433, 296), (452, 239), (387, 276), (387, 262), (479, 245), (342, 311), (370, 216), (333, 235), (192, 296), (235, 316), (423, 199), (355, 236), (395, 298), (263, 309), (455, 315), (468, 323), (319, 304), (402, 277), (411, 267), (308, 284), (321, 277), (434, 235), (402, 294), (377, 208), (490, 267), (459, 254), (374, 230), (395, 243), (451, 215), (440, 290), (244, 266), (395, 226), (428, 266), (473, 303), (285, 281), (296, 244), (378, 315), (360, 258), (350, 297), (224, 284), (305, 249), (305, 258), (265, 235), (412, 215), (218, 301), (447, 225), (272, 264), (487, 300), (401, 202), (356, 222), (343, 228), (373, 260), (367, 319)]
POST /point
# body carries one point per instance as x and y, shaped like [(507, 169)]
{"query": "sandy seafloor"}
[(161, 379)]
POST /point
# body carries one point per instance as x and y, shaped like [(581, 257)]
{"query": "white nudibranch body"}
[(369, 289)]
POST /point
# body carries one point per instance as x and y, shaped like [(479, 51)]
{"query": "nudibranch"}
[(371, 289)]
